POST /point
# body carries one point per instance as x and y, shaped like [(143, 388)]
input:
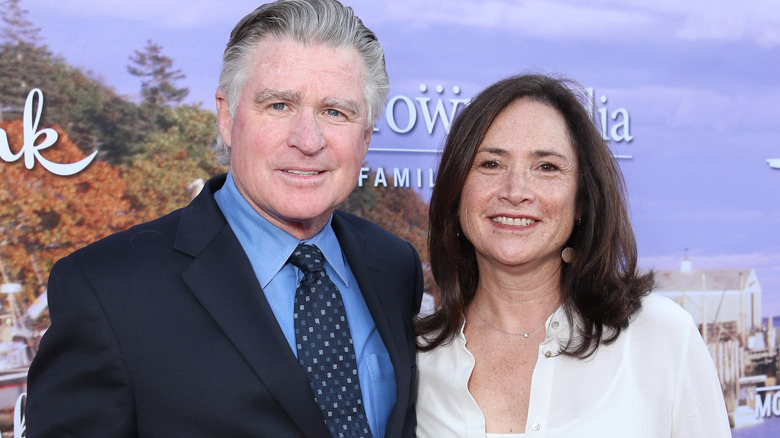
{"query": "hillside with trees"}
[(151, 156)]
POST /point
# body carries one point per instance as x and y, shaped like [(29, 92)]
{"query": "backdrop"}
[(687, 93)]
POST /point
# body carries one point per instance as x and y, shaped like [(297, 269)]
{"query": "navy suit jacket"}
[(163, 331)]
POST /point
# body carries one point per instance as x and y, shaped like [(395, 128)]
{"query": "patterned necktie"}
[(324, 346)]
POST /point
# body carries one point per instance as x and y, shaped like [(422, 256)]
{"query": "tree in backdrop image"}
[(173, 160), (92, 114), (21, 52), (148, 155), (176, 156), (154, 153), (172, 164), (158, 77)]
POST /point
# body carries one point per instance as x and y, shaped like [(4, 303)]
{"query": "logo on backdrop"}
[(31, 145), (405, 107), (770, 405), (403, 114)]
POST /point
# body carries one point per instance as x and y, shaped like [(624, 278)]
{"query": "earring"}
[(567, 255)]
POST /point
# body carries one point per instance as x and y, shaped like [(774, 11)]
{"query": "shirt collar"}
[(264, 241), (558, 331)]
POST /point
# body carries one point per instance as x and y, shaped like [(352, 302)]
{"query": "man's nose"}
[(306, 134)]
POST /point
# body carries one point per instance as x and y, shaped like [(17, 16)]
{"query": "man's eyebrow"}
[(345, 105), (268, 95)]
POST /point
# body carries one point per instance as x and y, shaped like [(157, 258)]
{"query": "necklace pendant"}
[(525, 335)]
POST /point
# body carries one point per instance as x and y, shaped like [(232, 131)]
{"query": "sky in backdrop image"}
[(688, 91)]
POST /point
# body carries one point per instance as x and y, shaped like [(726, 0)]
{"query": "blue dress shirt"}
[(268, 248)]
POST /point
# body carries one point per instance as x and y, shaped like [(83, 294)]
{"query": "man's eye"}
[(279, 106), (333, 113)]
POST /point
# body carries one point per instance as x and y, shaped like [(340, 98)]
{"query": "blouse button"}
[(536, 426), (547, 354), (555, 324)]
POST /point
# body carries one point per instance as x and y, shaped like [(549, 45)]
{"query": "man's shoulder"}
[(161, 232), (147, 237)]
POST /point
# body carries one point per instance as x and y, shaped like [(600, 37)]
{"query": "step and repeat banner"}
[(687, 94)]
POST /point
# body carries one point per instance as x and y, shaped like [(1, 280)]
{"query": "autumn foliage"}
[(44, 216), (152, 157)]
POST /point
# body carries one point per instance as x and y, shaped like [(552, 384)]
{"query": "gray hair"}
[(304, 21)]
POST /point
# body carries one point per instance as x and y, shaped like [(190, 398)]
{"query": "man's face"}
[(299, 134)]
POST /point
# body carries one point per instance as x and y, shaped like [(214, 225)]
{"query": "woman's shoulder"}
[(659, 313), (655, 304)]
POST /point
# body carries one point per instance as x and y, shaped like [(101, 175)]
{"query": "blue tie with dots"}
[(324, 346)]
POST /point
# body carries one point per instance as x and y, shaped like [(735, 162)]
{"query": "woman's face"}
[(518, 204)]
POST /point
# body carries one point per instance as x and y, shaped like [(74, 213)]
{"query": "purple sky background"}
[(699, 80)]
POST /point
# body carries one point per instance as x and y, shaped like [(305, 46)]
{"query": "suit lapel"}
[(367, 267), (222, 279)]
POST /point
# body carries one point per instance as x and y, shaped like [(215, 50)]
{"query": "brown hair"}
[(601, 288)]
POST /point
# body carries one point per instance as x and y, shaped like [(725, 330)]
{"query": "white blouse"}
[(656, 380)]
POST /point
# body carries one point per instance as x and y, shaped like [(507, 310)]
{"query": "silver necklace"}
[(523, 334)]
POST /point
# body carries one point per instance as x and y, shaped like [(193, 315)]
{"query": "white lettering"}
[(20, 421), (620, 131), (763, 409), (380, 178), (400, 179), (603, 118), (31, 134), (775, 403), (390, 114), (623, 124), (363, 175), (439, 112)]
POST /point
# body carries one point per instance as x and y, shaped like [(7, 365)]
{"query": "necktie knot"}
[(308, 258)]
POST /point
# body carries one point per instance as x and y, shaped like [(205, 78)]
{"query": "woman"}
[(544, 325)]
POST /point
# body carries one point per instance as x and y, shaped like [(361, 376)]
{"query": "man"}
[(191, 325)]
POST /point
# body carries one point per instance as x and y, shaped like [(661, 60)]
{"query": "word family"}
[(401, 177)]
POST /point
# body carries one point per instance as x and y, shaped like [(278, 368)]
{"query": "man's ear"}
[(224, 119)]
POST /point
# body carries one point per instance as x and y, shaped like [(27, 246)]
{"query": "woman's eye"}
[(489, 164), (548, 167)]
